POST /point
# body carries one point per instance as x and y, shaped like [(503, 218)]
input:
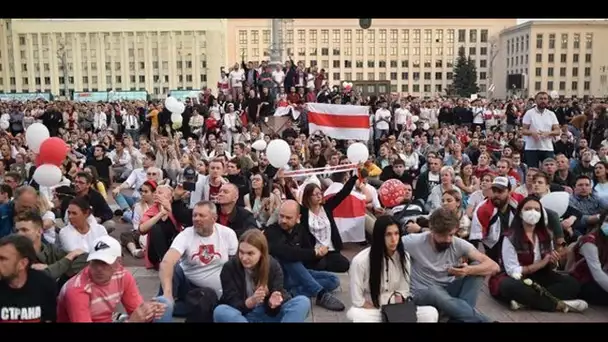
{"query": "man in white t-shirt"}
[(196, 258), (278, 76), (539, 126), (236, 77), (382, 121)]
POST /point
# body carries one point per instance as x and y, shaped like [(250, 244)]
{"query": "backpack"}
[(201, 302)]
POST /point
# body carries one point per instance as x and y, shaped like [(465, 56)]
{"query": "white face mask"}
[(530, 216)]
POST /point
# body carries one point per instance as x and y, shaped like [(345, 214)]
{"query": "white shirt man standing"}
[(539, 126)]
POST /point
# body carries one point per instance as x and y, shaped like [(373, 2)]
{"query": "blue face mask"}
[(604, 228)]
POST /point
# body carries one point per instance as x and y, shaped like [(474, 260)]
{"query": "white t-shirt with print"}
[(236, 78), (203, 257)]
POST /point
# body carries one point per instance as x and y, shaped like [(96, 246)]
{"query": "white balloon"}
[(556, 201), (176, 118), (4, 124), (412, 127), (180, 107), (344, 84), (278, 153), (357, 153), (426, 126), (35, 135), (47, 175), (171, 103), (259, 145), (415, 119), (554, 94)]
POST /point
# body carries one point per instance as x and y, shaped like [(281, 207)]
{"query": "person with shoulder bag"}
[(380, 281)]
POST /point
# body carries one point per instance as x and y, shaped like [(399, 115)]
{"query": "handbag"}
[(404, 312)]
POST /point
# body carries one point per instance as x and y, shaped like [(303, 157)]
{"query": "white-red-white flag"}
[(349, 215), (344, 122)]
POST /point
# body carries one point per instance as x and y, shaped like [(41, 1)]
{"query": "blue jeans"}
[(457, 299), (180, 288), (535, 157), (168, 315), (125, 202), (300, 281), (294, 310)]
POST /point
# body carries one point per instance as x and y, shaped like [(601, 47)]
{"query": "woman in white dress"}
[(381, 273)]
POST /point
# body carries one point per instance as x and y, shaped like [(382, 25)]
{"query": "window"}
[(549, 84), (439, 50), (393, 76), (336, 76), (289, 37), (551, 58), (371, 64), (439, 36), (539, 41), (549, 72), (312, 51), (564, 40), (462, 36), (394, 36), (416, 51), (587, 72), (428, 51), (382, 76), (348, 36), (574, 85), (371, 51), (575, 58), (538, 72), (482, 75), (348, 76), (438, 63), (472, 51), (301, 36), (427, 75), (473, 36), (539, 58), (438, 75), (577, 40), (587, 58), (324, 51), (537, 86), (382, 36), (336, 36), (552, 41), (483, 36), (405, 36), (562, 72), (562, 85), (428, 36), (359, 36), (483, 51), (255, 37), (563, 58), (405, 64), (266, 36), (242, 37), (588, 40), (450, 36), (483, 63), (371, 36), (575, 72), (404, 75), (336, 64), (313, 37), (416, 36), (370, 76), (586, 85)]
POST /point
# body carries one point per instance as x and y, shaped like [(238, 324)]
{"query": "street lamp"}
[(494, 49), (62, 55)]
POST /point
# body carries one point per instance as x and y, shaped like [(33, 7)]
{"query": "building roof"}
[(563, 23)]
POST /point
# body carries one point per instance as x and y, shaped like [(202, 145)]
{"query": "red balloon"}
[(391, 193), (53, 151)]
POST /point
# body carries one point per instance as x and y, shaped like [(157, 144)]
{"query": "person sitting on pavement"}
[(27, 295), (26, 199), (588, 203), (588, 262), (528, 253), (134, 181), (82, 229), (161, 225), (439, 277), (253, 287), (50, 259), (101, 210), (196, 257), (379, 272), (93, 295), (133, 240), (232, 215), (207, 188), (322, 232), (290, 246)]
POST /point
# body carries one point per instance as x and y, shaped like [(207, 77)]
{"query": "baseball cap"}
[(106, 249), (501, 183), (189, 173)]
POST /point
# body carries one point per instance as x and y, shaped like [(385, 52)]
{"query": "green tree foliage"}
[(465, 75)]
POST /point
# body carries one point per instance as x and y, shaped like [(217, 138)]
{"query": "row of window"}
[(393, 35), (518, 60), (108, 66), (405, 76), (109, 79), (517, 44), (562, 86), (383, 64), (562, 72), (114, 37)]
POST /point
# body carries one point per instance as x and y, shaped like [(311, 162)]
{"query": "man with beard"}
[(539, 126), (493, 216), (26, 294), (264, 167), (439, 277), (584, 167), (428, 179)]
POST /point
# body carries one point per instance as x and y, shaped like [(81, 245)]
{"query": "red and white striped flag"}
[(349, 215), (344, 122)]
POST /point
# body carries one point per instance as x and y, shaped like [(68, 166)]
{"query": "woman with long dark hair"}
[(261, 201), (381, 273), (528, 256), (252, 287), (588, 263)]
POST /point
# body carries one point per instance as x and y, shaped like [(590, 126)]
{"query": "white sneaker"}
[(138, 253), (516, 306), (576, 305)]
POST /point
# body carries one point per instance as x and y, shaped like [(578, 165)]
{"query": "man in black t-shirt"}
[(102, 164), (26, 295)]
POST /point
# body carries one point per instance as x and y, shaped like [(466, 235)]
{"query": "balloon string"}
[(320, 170)]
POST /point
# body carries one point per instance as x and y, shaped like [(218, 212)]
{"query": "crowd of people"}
[(235, 239)]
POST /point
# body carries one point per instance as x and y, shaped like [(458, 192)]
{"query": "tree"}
[(465, 75)]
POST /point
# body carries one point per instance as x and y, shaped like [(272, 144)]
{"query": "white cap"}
[(501, 183), (106, 249)]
